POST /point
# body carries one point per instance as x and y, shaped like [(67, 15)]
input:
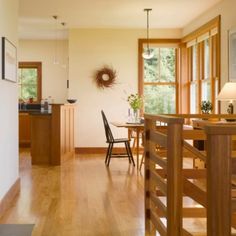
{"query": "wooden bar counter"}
[(52, 135)]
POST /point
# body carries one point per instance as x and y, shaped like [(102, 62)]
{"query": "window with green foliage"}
[(194, 82), (203, 65), (204, 79), (29, 81), (159, 81)]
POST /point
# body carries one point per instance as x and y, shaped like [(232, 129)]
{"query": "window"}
[(206, 80), (157, 79), (29, 81), (203, 56), (194, 81)]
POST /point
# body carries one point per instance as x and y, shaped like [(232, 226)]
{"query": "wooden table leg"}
[(137, 150), (129, 133), (137, 130)]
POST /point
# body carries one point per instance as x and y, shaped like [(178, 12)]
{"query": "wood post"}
[(149, 125), (219, 146), (174, 179)]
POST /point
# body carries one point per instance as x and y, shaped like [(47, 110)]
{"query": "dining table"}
[(138, 128)]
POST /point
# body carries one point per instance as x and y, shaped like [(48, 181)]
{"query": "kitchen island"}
[(52, 135)]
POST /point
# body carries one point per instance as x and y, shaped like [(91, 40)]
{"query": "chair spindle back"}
[(108, 132)]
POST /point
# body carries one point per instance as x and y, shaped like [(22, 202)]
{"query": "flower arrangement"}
[(206, 107), (135, 101)]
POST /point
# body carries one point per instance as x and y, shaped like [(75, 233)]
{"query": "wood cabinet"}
[(24, 129), (52, 135), (62, 133), (41, 138)]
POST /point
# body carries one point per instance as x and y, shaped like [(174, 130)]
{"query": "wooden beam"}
[(233, 204), (188, 212), (158, 138), (148, 186), (165, 118), (174, 178), (187, 173), (158, 160), (161, 208), (219, 145), (194, 134), (195, 192), (186, 233), (158, 224), (159, 181), (195, 151)]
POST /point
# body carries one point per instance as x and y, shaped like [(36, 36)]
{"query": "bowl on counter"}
[(71, 100)]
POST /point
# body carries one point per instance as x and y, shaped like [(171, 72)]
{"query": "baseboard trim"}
[(96, 150), (6, 202)]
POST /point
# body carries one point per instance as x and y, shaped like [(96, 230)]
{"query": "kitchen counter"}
[(52, 135), (34, 112), (25, 125)]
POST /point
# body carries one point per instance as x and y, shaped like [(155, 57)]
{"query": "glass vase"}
[(136, 116)]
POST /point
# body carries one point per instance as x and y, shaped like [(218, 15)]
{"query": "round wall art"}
[(105, 77)]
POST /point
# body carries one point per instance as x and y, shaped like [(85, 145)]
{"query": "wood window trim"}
[(38, 66), (214, 41), (141, 43), (214, 23)]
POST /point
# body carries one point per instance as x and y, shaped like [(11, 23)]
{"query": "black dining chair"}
[(111, 141)]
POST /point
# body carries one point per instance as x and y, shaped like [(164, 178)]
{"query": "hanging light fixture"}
[(55, 60), (64, 57), (147, 54)]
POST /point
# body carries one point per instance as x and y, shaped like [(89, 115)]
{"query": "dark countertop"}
[(34, 112), (28, 110)]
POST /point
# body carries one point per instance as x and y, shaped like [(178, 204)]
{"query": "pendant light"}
[(147, 54), (55, 60), (64, 57)]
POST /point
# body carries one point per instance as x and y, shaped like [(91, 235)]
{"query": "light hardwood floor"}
[(83, 198), (80, 198)]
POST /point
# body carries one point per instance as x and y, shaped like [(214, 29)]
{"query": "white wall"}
[(54, 76), (228, 20), (9, 159), (89, 50)]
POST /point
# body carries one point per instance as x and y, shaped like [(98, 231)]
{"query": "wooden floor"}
[(80, 198)]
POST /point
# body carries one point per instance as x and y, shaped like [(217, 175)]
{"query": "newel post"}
[(219, 146), (174, 178)]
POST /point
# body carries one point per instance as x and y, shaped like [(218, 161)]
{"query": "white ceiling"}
[(36, 20)]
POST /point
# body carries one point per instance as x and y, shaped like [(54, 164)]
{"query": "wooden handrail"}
[(204, 116), (219, 161), (164, 118)]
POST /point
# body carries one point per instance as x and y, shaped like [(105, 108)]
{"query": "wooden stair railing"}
[(174, 182), (172, 186)]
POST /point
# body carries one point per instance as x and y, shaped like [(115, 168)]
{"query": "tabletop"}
[(127, 125)]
